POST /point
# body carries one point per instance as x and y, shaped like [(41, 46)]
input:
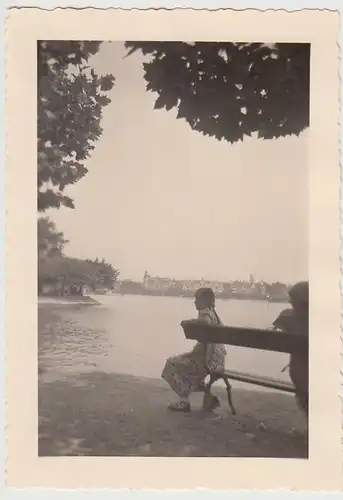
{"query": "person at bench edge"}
[(296, 320), (186, 372)]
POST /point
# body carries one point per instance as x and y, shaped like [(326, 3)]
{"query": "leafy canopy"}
[(71, 97), (229, 90)]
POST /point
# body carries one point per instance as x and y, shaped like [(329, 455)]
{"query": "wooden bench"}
[(253, 338)]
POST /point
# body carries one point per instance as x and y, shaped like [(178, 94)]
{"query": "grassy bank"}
[(116, 415)]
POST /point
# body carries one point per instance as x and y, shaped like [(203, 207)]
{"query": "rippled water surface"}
[(135, 334)]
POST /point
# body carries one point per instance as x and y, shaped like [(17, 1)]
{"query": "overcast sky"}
[(163, 198)]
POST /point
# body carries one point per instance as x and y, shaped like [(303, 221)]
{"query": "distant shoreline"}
[(187, 296), (67, 300), (89, 301)]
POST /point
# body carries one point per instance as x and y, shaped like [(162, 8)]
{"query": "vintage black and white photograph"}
[(173, 263), (173, 248)]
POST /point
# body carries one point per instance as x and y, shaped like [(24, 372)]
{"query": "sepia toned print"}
[(175, 284)]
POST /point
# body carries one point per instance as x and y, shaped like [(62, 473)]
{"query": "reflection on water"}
[(67, 342), (135, 334)]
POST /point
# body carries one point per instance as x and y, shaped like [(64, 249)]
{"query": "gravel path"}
[(119, 415)]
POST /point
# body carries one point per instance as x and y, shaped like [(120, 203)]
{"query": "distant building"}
[(187, 286), (263, 289), (156, 283), (216, 286)]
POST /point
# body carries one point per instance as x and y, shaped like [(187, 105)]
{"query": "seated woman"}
[(186, 372), (296, 320)]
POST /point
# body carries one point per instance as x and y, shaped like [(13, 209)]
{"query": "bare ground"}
[(103, 414)]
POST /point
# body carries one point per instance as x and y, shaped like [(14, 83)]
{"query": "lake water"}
[(135, 334)]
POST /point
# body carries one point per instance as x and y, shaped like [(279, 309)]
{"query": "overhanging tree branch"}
[(229, 90), (71, 97)]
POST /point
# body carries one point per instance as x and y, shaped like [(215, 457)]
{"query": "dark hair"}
[(299, 293), (208, 295)]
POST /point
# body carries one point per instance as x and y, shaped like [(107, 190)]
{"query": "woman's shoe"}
[(180, 406), (210, 402), (215, 403)]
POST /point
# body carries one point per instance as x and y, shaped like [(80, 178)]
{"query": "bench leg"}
[(229, 395), (213, 378)]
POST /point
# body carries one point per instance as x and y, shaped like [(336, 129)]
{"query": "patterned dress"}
[(185, 372)]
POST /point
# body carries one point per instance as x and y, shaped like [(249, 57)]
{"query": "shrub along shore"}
[(67, 300)]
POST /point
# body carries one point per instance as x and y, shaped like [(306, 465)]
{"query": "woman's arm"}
[(283, 320)]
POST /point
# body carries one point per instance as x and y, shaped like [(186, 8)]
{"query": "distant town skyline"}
[(162, 197), (250, 289), (164, 276)]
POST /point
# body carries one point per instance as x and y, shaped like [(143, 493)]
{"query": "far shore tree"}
[(67, 274), (51, 242), (71, 98), (231, 90)]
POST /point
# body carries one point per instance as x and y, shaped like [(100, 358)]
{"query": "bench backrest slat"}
[(268, 340)]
